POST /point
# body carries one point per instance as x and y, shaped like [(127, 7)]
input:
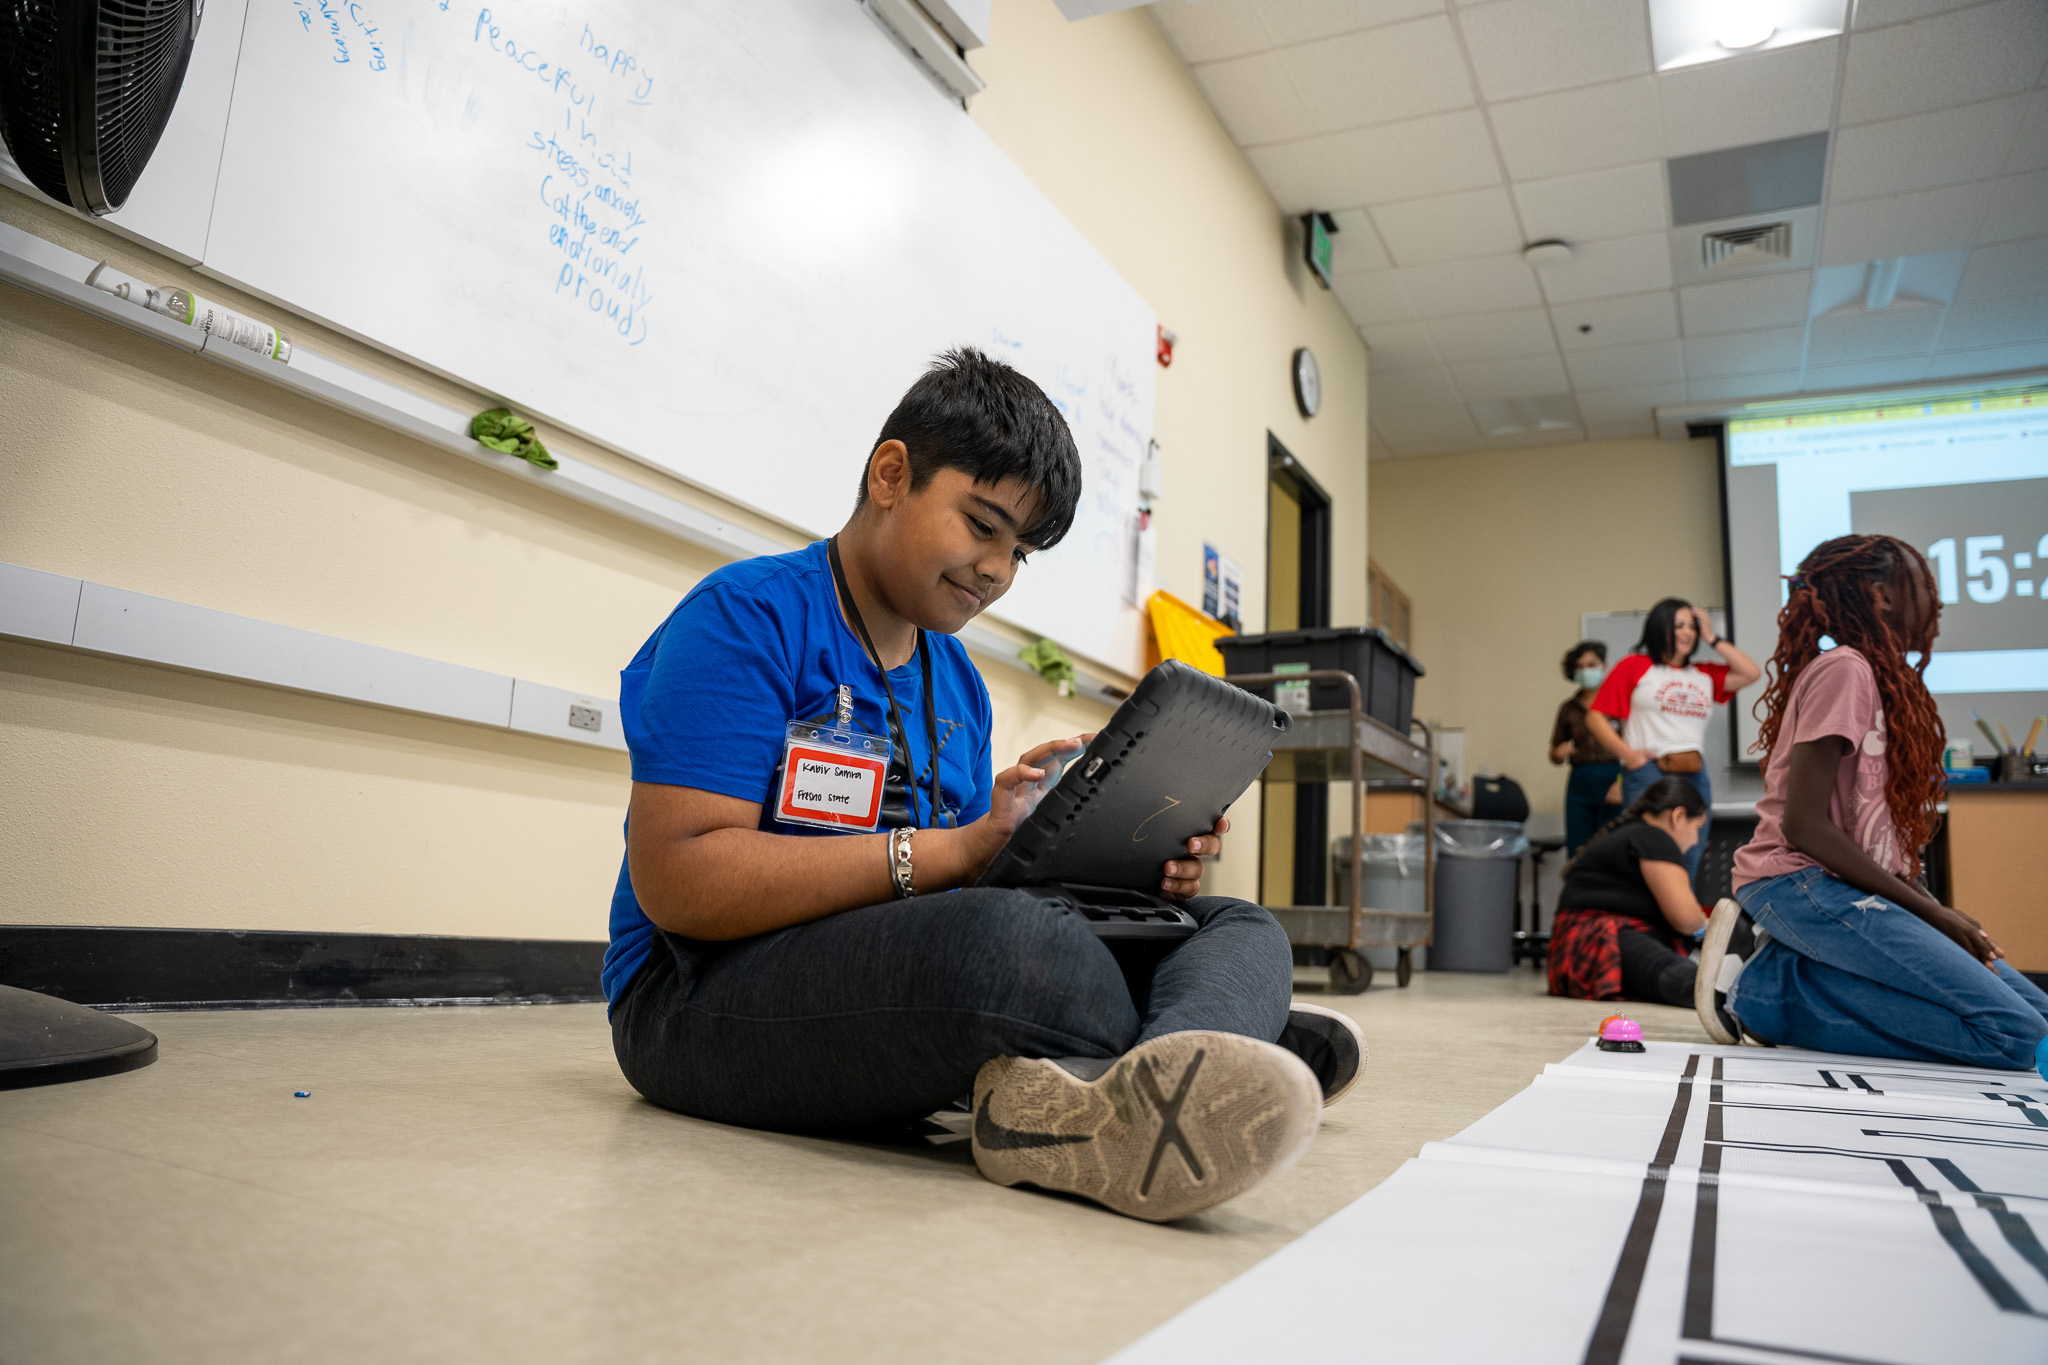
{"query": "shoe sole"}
[(1178, 1125), (1351, 1027), (1713, 950)]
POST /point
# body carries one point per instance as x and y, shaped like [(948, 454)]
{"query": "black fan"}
[(86, 87)]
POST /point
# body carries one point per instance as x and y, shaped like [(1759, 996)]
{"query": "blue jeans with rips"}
[(1845, 971)]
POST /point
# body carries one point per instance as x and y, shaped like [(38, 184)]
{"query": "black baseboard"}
[(192, 969)]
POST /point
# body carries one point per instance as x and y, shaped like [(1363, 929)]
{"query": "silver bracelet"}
[(899, 862)]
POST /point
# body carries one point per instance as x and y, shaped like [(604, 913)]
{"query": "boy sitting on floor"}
[(761, 975)]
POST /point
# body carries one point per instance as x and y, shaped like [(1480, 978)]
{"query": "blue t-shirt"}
[(707, 703)]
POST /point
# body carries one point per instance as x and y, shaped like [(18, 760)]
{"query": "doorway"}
[(1294, 855)]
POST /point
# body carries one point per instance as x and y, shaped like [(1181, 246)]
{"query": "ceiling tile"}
[(1356, 245), (1877, 13), (1395, 346), (1613, 367), (1418, 449), (1381, 75), (1946, 147), (1777, 348), (1869, 374), (1531, 438), (1381, 296), (1603, 407), (2030, 148), (1896, 332), (1433, 155), (1637, 428), (1623, 265), (1409, 390), (1904, 224), (1995, 360), (1257, 99), (1484, 284), (1955, 58), (1773, 300), (1206, 30), (1622, 321), (1728, 388), (2000, 323), (1493, 336), (1526, 377), (1528, 47), (1579, 130), (2005, 271), (2019, 208), (1595, 204), (1301, 21), (1426, 422), (1762, 98), (1446, 227)]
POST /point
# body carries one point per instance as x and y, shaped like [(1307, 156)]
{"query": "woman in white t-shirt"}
[(1664, 701)]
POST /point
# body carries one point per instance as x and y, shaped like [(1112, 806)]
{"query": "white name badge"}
[(833, 778)]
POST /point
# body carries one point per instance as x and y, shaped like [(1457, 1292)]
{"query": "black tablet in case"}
[(1176, 754)]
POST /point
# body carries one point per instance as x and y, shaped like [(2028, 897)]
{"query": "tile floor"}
[(480, 1184)]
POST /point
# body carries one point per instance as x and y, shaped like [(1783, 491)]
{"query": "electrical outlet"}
[(583, 717)]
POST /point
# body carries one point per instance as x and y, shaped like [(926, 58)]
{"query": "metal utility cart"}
[(1350, 746)]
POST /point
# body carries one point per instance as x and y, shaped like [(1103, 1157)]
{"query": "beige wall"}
[(1503, 550), (131, 795), (1102, 115)]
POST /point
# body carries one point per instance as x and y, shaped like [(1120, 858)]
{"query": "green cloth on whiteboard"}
[(1052, 664), (500, 430)]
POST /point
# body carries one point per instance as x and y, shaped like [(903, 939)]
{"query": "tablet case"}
[(1181, 748)]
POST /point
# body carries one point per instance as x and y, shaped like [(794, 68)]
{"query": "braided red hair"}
[(1835, 594)]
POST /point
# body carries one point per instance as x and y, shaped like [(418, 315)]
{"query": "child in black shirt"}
[(1627, 909)]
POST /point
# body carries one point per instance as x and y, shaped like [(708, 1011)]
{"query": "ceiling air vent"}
[(1758, 244)]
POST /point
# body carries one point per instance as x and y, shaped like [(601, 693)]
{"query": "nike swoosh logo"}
[(992, 1135), (1137, 835)]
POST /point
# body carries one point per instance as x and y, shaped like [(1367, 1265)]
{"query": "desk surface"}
[(2017, 787)]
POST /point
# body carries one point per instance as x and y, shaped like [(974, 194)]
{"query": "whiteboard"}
[(720, 238)]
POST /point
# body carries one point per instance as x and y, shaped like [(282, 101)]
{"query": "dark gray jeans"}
[(879, 1016)]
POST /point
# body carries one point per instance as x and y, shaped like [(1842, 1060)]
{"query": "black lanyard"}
[(896, 733)]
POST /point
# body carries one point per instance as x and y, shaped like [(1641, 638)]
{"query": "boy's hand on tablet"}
[(1184, 875), (1016, 795)]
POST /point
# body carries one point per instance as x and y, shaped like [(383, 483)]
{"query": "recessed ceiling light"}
[(1743, 26), (1687, 32), (1549, 251)]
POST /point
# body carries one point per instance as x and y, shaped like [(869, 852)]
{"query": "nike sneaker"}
[(1731, 941), (1176, 1125), (1330, 1043)]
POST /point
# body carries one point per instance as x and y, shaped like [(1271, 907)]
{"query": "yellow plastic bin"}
[(1182, 632)]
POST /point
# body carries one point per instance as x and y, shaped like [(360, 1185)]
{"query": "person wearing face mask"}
[(1591, 793), (1663, 701)]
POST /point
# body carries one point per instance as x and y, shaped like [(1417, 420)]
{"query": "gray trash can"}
[(1476, 866), (1393, 872)]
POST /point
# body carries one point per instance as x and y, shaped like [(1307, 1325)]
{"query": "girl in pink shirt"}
[(1831, 942)]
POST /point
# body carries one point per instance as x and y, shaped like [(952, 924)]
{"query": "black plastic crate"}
[(1385, 672)]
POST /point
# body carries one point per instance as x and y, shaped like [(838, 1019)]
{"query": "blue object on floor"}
[(2041, 1058), (300, 1094)]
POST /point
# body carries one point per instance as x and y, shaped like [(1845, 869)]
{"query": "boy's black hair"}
[(976, 414), (1660, 630), (1571, 657)]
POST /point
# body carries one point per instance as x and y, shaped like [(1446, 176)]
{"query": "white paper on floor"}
[(1682, 1206)]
